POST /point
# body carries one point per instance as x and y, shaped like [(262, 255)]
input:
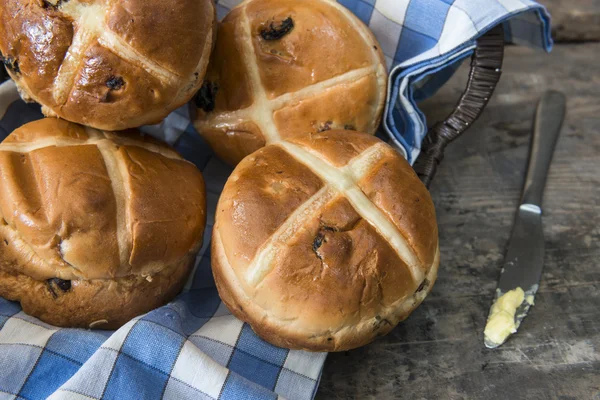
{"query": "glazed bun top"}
[(79, 203), (105, 63), (289, 67)]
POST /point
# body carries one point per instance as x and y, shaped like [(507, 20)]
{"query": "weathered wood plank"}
[(575, 20), (438, 352)]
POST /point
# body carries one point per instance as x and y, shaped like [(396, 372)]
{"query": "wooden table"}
[(438, 352)]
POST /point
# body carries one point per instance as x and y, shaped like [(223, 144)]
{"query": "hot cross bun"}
[(95, 228), (325, 242), (289, 67), (108, 64)]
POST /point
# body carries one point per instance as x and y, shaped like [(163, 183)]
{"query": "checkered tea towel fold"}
[(193, 348)]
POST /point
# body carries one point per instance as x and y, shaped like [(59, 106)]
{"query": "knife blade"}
[(524, 261)]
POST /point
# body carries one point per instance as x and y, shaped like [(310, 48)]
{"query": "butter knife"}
[(520, 276)]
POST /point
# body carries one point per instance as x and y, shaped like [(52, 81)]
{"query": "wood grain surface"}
[(438, 352), (574, 20)]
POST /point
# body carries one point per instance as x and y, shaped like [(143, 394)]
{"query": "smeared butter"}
[(501, 322), (529, 298)]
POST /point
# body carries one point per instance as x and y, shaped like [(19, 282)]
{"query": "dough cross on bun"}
[(326, 242), (289, 67)]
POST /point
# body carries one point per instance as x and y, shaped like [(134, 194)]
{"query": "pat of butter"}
[(501, 322)]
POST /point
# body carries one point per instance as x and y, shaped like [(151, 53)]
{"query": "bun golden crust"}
[(96, 303), (117, 217), (324, 243), (104, 63), (283, 68)]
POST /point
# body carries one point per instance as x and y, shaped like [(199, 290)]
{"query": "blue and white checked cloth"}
[(193, 347)]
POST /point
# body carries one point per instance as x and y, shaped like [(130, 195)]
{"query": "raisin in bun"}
[(282, 68), (95, 228), (324, 243), (105, 63)]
